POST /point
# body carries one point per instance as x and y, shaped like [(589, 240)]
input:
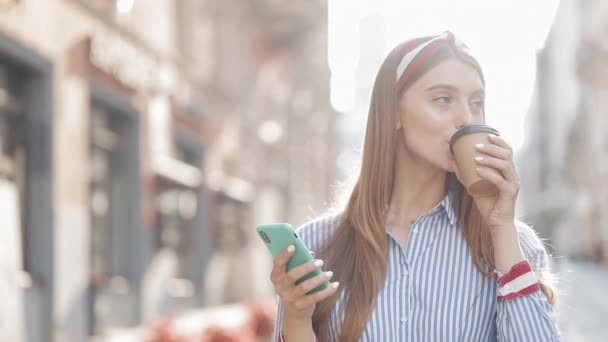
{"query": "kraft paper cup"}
[(463, 148)]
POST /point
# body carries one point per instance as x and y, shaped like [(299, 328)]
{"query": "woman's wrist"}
[(502, 228), (296, 317), (296, 328), (507, 251)]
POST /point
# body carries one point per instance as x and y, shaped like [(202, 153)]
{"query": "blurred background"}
[(141, 142)]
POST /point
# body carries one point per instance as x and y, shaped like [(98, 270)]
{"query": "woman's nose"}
[(465, 117)]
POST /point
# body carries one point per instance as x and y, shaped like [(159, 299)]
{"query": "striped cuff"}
[(282, 340), (519, 281)]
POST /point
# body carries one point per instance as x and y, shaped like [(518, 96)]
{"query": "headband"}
[(416, 51)]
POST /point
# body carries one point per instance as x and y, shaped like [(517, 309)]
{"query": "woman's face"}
[(446, 98)]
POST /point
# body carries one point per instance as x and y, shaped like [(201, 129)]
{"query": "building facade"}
[(566, 156), (140, 144), (275, 159)]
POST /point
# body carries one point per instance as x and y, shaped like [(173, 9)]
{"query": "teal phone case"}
[(277, 237)]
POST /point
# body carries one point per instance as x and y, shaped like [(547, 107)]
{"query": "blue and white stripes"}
[(434, 292)]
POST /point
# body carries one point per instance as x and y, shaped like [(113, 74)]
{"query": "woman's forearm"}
[(507, 250), (295, 330)]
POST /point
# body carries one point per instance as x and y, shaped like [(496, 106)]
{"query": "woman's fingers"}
[(504, 186), (284, 281), (310, 284), (504, 166), (499, 157), (286, 284), (280, 263), (498, 164), (500, 141), (298, 272), (292, 293), (308, 300), (495, 151)]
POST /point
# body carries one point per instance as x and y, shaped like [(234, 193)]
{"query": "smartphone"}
[(277, 237)]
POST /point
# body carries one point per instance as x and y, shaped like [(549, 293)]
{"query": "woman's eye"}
[(443, 99), (478, 103)]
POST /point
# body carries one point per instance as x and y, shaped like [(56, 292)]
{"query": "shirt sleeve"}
[(313, 234), (529, 317), (276, 335)]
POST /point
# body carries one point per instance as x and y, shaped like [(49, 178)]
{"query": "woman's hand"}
[(496, 165), (299, 305)]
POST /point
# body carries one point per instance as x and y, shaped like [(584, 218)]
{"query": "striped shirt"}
[(434, 292)]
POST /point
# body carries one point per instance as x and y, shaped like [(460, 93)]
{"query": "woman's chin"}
[(451, 166)]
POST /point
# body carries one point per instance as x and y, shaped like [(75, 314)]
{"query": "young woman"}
[(414, 256)]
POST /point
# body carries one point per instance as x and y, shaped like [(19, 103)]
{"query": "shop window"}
[(13, 173), (108, 203), (117, 240), (178, 217)]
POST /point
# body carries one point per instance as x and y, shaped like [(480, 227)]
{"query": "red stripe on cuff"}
[(524, 292), (517, 270)]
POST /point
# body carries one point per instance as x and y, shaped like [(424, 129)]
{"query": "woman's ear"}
[(399, 116), (398, 125)]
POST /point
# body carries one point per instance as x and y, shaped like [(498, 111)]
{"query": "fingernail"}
[(479, 169), (318, 263), (492, 135), (291, 248), (335, 285), (329, 274), (479, 158), (479, 145)]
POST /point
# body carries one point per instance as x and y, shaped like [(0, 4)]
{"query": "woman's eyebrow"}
[(442, 86), (479, 92), (454, 88)]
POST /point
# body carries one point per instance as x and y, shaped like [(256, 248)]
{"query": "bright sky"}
[(503, 35)]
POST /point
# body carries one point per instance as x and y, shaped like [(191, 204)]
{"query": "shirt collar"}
[(448, 205)]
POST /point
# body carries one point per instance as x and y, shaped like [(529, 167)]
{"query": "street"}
[(583, 304)]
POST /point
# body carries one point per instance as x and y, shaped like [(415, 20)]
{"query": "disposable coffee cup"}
[(463, 148)]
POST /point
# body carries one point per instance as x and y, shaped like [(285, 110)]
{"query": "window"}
[(13, 158), (117, 240), (103, 147), (178, 206), (111, 212), (111, 162)]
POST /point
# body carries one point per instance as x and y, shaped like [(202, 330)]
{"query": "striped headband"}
[(416, 51)]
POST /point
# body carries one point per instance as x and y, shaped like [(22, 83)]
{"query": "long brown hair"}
[(357, 252)]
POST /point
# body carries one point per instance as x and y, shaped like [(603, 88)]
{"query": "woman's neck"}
[(417, 188)]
